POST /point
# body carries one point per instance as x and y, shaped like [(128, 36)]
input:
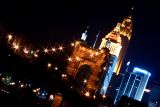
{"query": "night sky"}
[(64, 21)]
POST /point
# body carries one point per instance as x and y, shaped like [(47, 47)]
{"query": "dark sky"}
[(64, 21)]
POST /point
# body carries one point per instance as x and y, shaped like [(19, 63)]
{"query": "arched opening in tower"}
[(82, 75)]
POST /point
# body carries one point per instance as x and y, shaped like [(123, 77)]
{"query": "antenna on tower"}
[(131, 10), (96, 39)]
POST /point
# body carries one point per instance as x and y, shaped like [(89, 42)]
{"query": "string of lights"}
[(19, 48), (29, 51)]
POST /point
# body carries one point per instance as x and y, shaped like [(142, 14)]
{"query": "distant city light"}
[(34, 90), (35, 55), (64, 75), (12, 83), (128, 63), (21, 85), (56, 68), (32, 51), (25, 50)]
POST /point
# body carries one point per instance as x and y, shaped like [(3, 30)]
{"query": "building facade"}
[(117, 42), (133, 84)]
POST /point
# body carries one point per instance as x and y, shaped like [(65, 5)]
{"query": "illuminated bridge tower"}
[(85, 67)]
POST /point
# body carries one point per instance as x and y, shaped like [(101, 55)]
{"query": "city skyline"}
[(69, 49), (37, 24)]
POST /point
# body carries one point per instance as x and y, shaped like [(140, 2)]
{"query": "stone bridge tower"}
[(87, 67)]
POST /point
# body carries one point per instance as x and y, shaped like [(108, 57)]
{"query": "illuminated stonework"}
[(112, 41), (86, 67)]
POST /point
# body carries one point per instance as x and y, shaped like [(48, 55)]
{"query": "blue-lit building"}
[(112, 42), (133, 84)]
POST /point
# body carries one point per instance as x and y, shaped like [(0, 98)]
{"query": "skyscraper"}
[(133, 84), (112, 41), (117, 42), (125, 34)]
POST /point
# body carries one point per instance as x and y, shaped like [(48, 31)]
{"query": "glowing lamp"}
[(72, 44), (147, 90), (34, 90), (94, 96), (104, 96), (53, 49), (87, 94), (49, 65), (9, 37), (91, 55), (77, 58), (97, 53), (25, 50), (45, 50), (35, 55), (85, 81), (104, 68), (77, 42), (56, 68), (60, 48), (16, 46), (69, 59)]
